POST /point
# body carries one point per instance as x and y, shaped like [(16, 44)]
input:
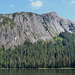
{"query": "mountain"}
[(17, 27)]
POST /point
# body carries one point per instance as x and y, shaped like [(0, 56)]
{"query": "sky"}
[(64, 8)]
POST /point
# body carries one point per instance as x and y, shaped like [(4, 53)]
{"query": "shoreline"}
[(38, 68)]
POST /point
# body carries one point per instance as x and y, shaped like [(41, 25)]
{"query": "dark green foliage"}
[(30, 14), (18, 13), (7, 21), (24, 18), (46, 27), (45, 22), (0, 24), (41, 54), (33, 35), (25, 32), (0, 33)]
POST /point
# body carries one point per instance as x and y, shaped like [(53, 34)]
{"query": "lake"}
[(37, 72)]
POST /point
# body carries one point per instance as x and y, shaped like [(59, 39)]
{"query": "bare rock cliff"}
[(16, 28)]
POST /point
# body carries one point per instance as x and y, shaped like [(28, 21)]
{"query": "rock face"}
[(16, 28)]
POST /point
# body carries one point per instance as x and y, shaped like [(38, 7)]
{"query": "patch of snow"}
[(16, 38)]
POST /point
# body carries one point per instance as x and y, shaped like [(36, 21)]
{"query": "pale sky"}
[(64, 8)]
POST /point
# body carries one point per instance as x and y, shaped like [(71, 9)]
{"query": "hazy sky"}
[(64, 8)]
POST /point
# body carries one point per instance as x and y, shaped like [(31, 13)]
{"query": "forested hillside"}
[(41, 54)]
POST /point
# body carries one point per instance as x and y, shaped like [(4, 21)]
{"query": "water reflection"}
[(37, 72)]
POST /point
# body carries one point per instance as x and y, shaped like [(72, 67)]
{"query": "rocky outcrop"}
[(16, 28)]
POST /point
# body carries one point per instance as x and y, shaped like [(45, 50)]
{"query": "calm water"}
[(37, 72)]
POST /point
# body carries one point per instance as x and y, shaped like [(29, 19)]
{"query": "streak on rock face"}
[(16, 38), (16, 28)]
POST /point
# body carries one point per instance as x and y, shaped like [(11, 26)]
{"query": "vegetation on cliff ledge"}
[(7, 21)]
